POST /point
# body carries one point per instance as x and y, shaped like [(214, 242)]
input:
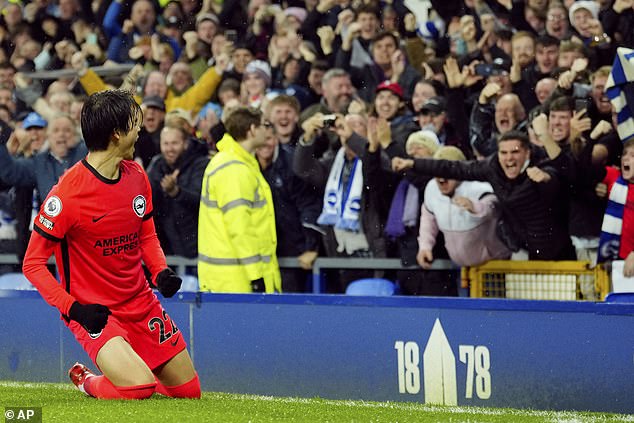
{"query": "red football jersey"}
[(99, 230)]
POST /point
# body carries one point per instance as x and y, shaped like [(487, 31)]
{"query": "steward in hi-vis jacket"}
[(236, 225)]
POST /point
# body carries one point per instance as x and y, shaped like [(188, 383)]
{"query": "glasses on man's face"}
[(556, 18)]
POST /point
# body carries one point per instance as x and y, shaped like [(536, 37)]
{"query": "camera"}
[(329, 120)]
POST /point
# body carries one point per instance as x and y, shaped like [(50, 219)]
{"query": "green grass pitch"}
[(63, 403)]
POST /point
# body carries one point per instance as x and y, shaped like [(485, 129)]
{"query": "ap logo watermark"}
[(23, 414)]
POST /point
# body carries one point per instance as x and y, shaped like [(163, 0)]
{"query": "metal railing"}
[(180, 264), (323, 263), (481, 280)]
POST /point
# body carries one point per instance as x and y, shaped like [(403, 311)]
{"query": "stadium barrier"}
[(321, 264), (549, 355), (537, 280), (529, 280)]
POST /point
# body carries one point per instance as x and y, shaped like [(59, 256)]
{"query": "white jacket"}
[(470, 238)]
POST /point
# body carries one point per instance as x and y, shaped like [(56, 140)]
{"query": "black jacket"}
[(533, 210), (586, 208), (401, 128), (621, 23), (176, 219), (525, 87), (482, 130), (297, 207), (147, 146)]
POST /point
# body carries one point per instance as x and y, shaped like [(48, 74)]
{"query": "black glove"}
[(93, 317), (258, 285), (168, 283)]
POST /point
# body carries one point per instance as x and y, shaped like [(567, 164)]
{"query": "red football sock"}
[(189, 389), (101, 387)]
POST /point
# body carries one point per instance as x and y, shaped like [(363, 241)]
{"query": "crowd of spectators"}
[(369, 101)]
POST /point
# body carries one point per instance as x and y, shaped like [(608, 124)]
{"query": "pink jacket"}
[(470, 239)]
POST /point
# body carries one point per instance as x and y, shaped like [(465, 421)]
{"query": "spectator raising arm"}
[(540, 126), (17, 172)]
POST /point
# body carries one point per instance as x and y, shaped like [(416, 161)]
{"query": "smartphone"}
[(580, 104), (484, 69), (231, 35)]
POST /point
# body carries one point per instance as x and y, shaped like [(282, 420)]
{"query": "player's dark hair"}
[(105, 113), (240, 120)]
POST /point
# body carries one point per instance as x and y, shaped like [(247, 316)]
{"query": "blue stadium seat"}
[(15, 281), (371, 287), (620, 297)]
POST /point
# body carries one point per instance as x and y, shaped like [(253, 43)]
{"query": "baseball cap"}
[(434, 105), (590, 6), (33, 120), (391, 86), (154, 101), (207, 17)]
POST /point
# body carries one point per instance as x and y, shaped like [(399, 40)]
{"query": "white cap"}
[(261, 68), (590, 6)]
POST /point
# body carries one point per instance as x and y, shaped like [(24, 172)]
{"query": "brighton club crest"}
[(138, 205)]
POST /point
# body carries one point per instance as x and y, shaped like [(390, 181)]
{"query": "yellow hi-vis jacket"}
[(236, 224)]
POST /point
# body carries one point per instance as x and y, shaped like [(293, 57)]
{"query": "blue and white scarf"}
[(620, 90), (342, 205), (610, 241)]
